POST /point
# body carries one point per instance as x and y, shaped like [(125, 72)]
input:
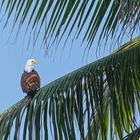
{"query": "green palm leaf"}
[(97, 101), (86, 19), (135, 135)]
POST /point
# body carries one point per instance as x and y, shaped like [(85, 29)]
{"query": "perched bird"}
[(30, 80)]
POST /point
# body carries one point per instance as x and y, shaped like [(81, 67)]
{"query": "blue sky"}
[(14, 54)]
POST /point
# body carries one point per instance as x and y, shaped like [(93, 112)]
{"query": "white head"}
[(29, 66)]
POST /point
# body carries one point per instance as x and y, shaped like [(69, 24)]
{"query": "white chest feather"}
[(28, 68)]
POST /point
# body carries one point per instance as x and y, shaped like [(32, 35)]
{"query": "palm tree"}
[(97, 101)]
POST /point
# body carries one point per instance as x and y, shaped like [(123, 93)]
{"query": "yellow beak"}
[(35, 62)]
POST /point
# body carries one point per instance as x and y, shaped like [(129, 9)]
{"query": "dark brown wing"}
[(30, 81)]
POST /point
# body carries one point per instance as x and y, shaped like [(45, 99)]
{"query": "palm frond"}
[(135, 135), (128, 45), (97, 101), (77, 18)]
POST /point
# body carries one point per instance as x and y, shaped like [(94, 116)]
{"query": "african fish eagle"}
[(30, 80)]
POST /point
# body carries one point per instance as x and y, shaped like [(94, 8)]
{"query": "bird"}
[(30, 80)]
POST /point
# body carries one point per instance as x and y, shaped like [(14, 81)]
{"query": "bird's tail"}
[(32, 94)]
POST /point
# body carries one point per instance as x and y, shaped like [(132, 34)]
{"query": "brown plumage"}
[(30, 82)]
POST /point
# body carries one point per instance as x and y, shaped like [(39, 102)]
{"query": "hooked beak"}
[(35, 62)]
